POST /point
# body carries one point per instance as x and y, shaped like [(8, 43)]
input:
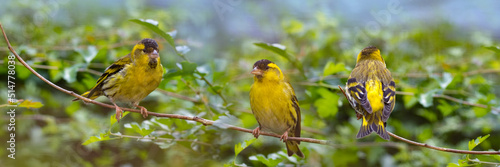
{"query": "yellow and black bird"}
[(371, 92), (131, 78), (275, 105)]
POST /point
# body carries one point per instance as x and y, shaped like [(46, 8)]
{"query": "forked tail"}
[(293, 147), (373, 123)]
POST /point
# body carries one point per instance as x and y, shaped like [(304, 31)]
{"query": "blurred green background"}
[(441, 54)]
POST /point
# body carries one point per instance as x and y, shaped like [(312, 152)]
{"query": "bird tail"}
[(373, 123), (86, 94), (292, 147)]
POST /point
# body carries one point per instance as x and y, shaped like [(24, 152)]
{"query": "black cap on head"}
[(262, 64), (149, 45), (368, 50)]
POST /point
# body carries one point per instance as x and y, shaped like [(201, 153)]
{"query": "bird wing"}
[(389, 99), (295, 108), (358, 92), (110, 71)]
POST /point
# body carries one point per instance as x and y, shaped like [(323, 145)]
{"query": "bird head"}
[(146, 50), (265, 69), (147, 47), (370, 52)]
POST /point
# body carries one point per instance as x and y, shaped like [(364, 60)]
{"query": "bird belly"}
[(271, 108), (132, 84)]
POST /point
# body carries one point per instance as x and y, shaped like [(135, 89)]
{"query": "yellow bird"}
[(274, 104), (131, 78), (371, 92)]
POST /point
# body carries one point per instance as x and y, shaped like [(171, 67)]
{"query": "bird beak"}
[(256, 71), (154, 54)]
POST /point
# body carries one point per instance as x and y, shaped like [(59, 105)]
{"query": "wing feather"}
[(389, 99), (358, 92), (110, 71)]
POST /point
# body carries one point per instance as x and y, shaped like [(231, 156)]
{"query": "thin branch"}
[(441, 148), (222, 125)]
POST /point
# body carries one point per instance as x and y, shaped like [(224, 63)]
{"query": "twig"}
[(222, 125), (441, 148)]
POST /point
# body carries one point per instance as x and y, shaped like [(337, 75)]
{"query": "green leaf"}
[(327, 105), (153, 25), (172, 73), (473, 143), (55, 74), (88, 54), (480, 112), (276, 48), (112, 119), (188, 68), (101, 137), (183, 49), (241, 146), (429, 115), (137, 128), (496, 49), (426, 99), (22, 72), (410, 101), (69, 74), (165, 145), (266, 161), (30, 104), (445, 80), (497, 157), (445, 108), (217, 88), (281, 50), (332, 68)]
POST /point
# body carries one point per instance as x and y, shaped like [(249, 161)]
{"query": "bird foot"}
[(256, 132), (359, 116), (284, 137), (144, 111), (119, 112)]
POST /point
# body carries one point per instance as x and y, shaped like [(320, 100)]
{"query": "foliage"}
[(212, 76)]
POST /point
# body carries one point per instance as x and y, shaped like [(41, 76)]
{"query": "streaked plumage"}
[(131, 78), (274, 104), (371, 92)]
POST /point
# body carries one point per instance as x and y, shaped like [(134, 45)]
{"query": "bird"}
[(275, 105), (371, 92), (130, 78)]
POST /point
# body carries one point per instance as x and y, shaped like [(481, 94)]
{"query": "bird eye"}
[(267, 67)]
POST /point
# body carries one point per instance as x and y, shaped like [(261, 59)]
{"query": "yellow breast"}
[(134, 82), (271, 105)]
